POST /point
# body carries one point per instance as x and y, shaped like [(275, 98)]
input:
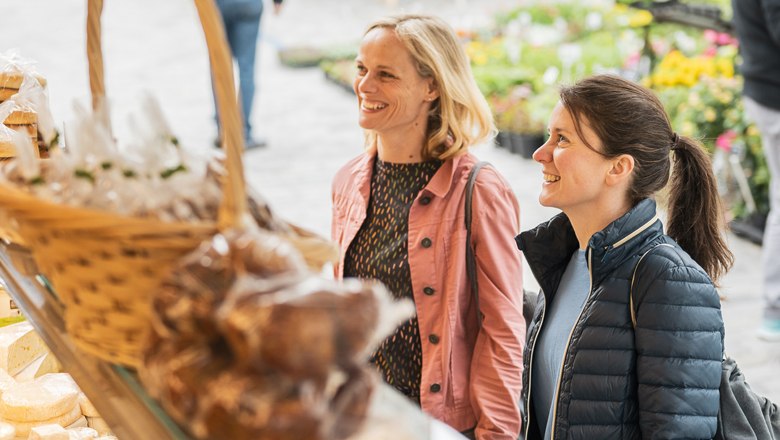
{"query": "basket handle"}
[(233, 207)]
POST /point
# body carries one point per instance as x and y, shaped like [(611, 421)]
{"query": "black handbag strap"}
[(633, 276), (471, 264)]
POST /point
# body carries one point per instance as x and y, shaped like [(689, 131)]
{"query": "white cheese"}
[(83, 433), (23, 428), (44, 364), (6, 381), (48, 432), (46, 397), (7, 431), (19, 346), (99, 425), (86, 406), (81, 422)]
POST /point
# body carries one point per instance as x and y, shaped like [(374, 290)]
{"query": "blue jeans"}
[(768, 122), (242, 26)]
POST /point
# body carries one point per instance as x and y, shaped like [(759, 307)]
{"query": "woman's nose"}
[(364, 83), (543, 153)]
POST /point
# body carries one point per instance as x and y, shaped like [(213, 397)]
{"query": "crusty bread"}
[(21, 117), (13, 80), (7, 93), (7, 149)]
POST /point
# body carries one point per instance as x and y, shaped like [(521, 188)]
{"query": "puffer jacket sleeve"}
[(679, 343), (495, 379)]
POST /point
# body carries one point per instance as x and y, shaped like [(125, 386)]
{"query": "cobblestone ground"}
[(311, 125)]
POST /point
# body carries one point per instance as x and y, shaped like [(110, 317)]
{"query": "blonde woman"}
[(398, 216)]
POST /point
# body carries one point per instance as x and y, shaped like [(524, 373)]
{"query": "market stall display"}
[(238, 338), (155, 204), (27, 109)]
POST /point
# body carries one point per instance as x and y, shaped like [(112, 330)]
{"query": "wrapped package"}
[(248, 344)]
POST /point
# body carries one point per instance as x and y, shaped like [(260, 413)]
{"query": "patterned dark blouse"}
[(379, 251)]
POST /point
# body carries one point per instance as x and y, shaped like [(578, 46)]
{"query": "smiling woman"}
[(588, 368), (398, 217)]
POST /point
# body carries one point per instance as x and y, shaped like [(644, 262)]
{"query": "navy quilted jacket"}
[(658, 381)]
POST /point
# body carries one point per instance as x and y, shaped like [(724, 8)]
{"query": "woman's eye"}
[(562, 139), (386, 75), (361, 70)]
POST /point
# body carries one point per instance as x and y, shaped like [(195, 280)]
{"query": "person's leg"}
[(243, 35), (768, 122)]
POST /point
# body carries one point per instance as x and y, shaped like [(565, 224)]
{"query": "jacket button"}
[(426, 242), (434, 339), (429, 291), (435, 388), (425, 200)]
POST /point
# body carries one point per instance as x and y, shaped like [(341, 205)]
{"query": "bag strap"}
[(471, 264), (633, 277)]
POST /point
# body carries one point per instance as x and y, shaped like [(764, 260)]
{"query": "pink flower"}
[(725, 140), (724, 39), (711, 36)]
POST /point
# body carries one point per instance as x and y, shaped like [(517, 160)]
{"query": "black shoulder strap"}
[(471, 264), (633, 276)]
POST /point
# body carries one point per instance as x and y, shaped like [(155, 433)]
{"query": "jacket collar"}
[(549, 246)]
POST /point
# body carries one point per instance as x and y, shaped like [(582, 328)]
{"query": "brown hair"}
[(460, 117), (629, 119)]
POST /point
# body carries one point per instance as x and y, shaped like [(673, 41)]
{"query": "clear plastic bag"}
[(248, 344)]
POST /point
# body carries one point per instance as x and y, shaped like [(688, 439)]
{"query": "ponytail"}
[(695, 217)]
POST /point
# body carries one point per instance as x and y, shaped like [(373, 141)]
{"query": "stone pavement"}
[(311, 125)]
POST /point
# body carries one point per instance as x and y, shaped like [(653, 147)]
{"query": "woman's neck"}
[(590, 220), (400, 149)]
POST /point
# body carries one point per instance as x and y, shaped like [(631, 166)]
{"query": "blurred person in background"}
[(618, 350), (757, 24), (398, 217), (242, 27)]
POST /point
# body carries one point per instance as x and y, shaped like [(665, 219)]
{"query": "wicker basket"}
[(105, 266)]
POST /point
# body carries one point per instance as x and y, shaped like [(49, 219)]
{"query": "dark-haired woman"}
[(615, 353)]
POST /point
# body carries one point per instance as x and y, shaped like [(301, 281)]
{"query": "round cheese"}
[(84, 433), (86, 406), (7, 431), (45, 398), (23, 428)]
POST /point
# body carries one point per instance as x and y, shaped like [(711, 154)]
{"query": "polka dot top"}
[(379, 251)]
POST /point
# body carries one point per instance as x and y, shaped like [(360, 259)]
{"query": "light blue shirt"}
[(554, 336)]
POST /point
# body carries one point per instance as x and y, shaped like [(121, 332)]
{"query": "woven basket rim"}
[(36, 209)]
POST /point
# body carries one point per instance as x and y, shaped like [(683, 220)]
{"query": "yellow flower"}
[(640, 18), (709, 115), (688, 128)]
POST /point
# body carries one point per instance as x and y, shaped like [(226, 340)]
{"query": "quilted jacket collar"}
[(549, 246)]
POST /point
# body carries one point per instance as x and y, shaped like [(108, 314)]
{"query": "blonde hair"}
[(460, 117)]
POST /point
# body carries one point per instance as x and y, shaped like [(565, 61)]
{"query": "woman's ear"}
[(433, 90), (622, 169)]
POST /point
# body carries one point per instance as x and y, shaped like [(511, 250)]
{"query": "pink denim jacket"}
[(470, 376)]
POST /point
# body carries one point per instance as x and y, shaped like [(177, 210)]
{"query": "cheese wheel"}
[(81, 422), (86, 406), (44, 398), (83, 433), (23, 428), (99, 425), (6, 382), (7, 431), (19, 343), (48, 432)]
